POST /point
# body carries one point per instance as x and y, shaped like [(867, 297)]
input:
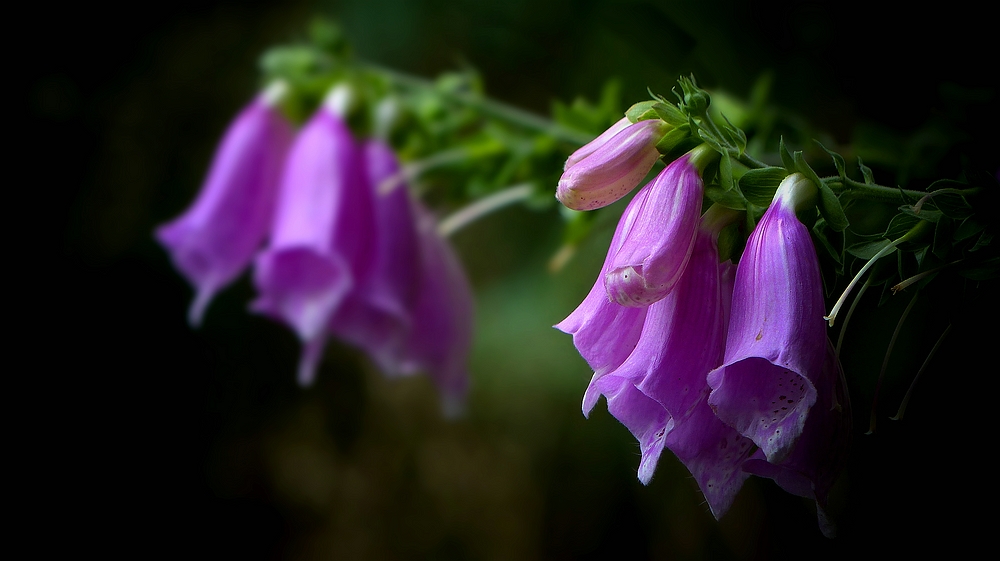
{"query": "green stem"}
[(750, 162), (482, 207), (491, 107), (879, 193)]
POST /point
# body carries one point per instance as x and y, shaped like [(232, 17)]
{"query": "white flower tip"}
[(274, 93), (338, 101)]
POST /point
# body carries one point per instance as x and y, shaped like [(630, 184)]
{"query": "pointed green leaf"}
[(786, 158), (866, 172), (838, 161), (759, 185)]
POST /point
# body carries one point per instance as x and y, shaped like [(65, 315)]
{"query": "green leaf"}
[(952, 203), (867, 250), (900, 225), (829, 204), (672, 139), (838, 161), (759, 185), (730, 199), (943, 232), (726, 172), (983, 270), (642, 111), (925, 213), (969, 227), (866, 172)]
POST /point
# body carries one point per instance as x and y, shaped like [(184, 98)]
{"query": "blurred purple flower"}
[(215, 239), (777, 341), (440, 337), (613, 168), (656, 249), (378, 318), (322, 245)]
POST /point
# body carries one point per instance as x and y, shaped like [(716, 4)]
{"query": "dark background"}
[(146, 438)]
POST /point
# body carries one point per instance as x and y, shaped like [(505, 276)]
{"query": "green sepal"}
[(673, 139), (759, 185), (736, 135), (786, 157), (726, 173), (642, 111), (828, 203)]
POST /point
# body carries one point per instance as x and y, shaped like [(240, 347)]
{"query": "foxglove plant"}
[(214, 241), (660, 392), (608, 168)]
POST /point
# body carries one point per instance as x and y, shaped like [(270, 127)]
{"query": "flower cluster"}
[(349, 254), (728, 366)]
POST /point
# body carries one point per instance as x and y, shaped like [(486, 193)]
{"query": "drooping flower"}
[(215, 239), (378, 319), (776, 344), (812, 467), (322, 245), (603, 331), (656, 249), (660, 392), (613, 168), (440, 337)]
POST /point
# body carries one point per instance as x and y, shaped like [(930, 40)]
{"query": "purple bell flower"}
[(777, 341), (660, 392), (613, 168), (215, 239), (322, 244), (604, 332), (812, 467), (656, 249)]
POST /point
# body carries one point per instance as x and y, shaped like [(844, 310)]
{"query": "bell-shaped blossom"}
[(776, 344), (604, 332), (589, 148), (214, 240), (660, 392), (656, 249), (813, 466), (440, 337), (322, 243), (378, 320), (613, 168)]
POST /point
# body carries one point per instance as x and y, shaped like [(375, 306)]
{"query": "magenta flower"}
[(614, 167), (440, 337), (604, 332), (322, 245), (215, 239), (656, 249), (378, 319), (660, 392), (813, 466), (589, 148), (776, 344)]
